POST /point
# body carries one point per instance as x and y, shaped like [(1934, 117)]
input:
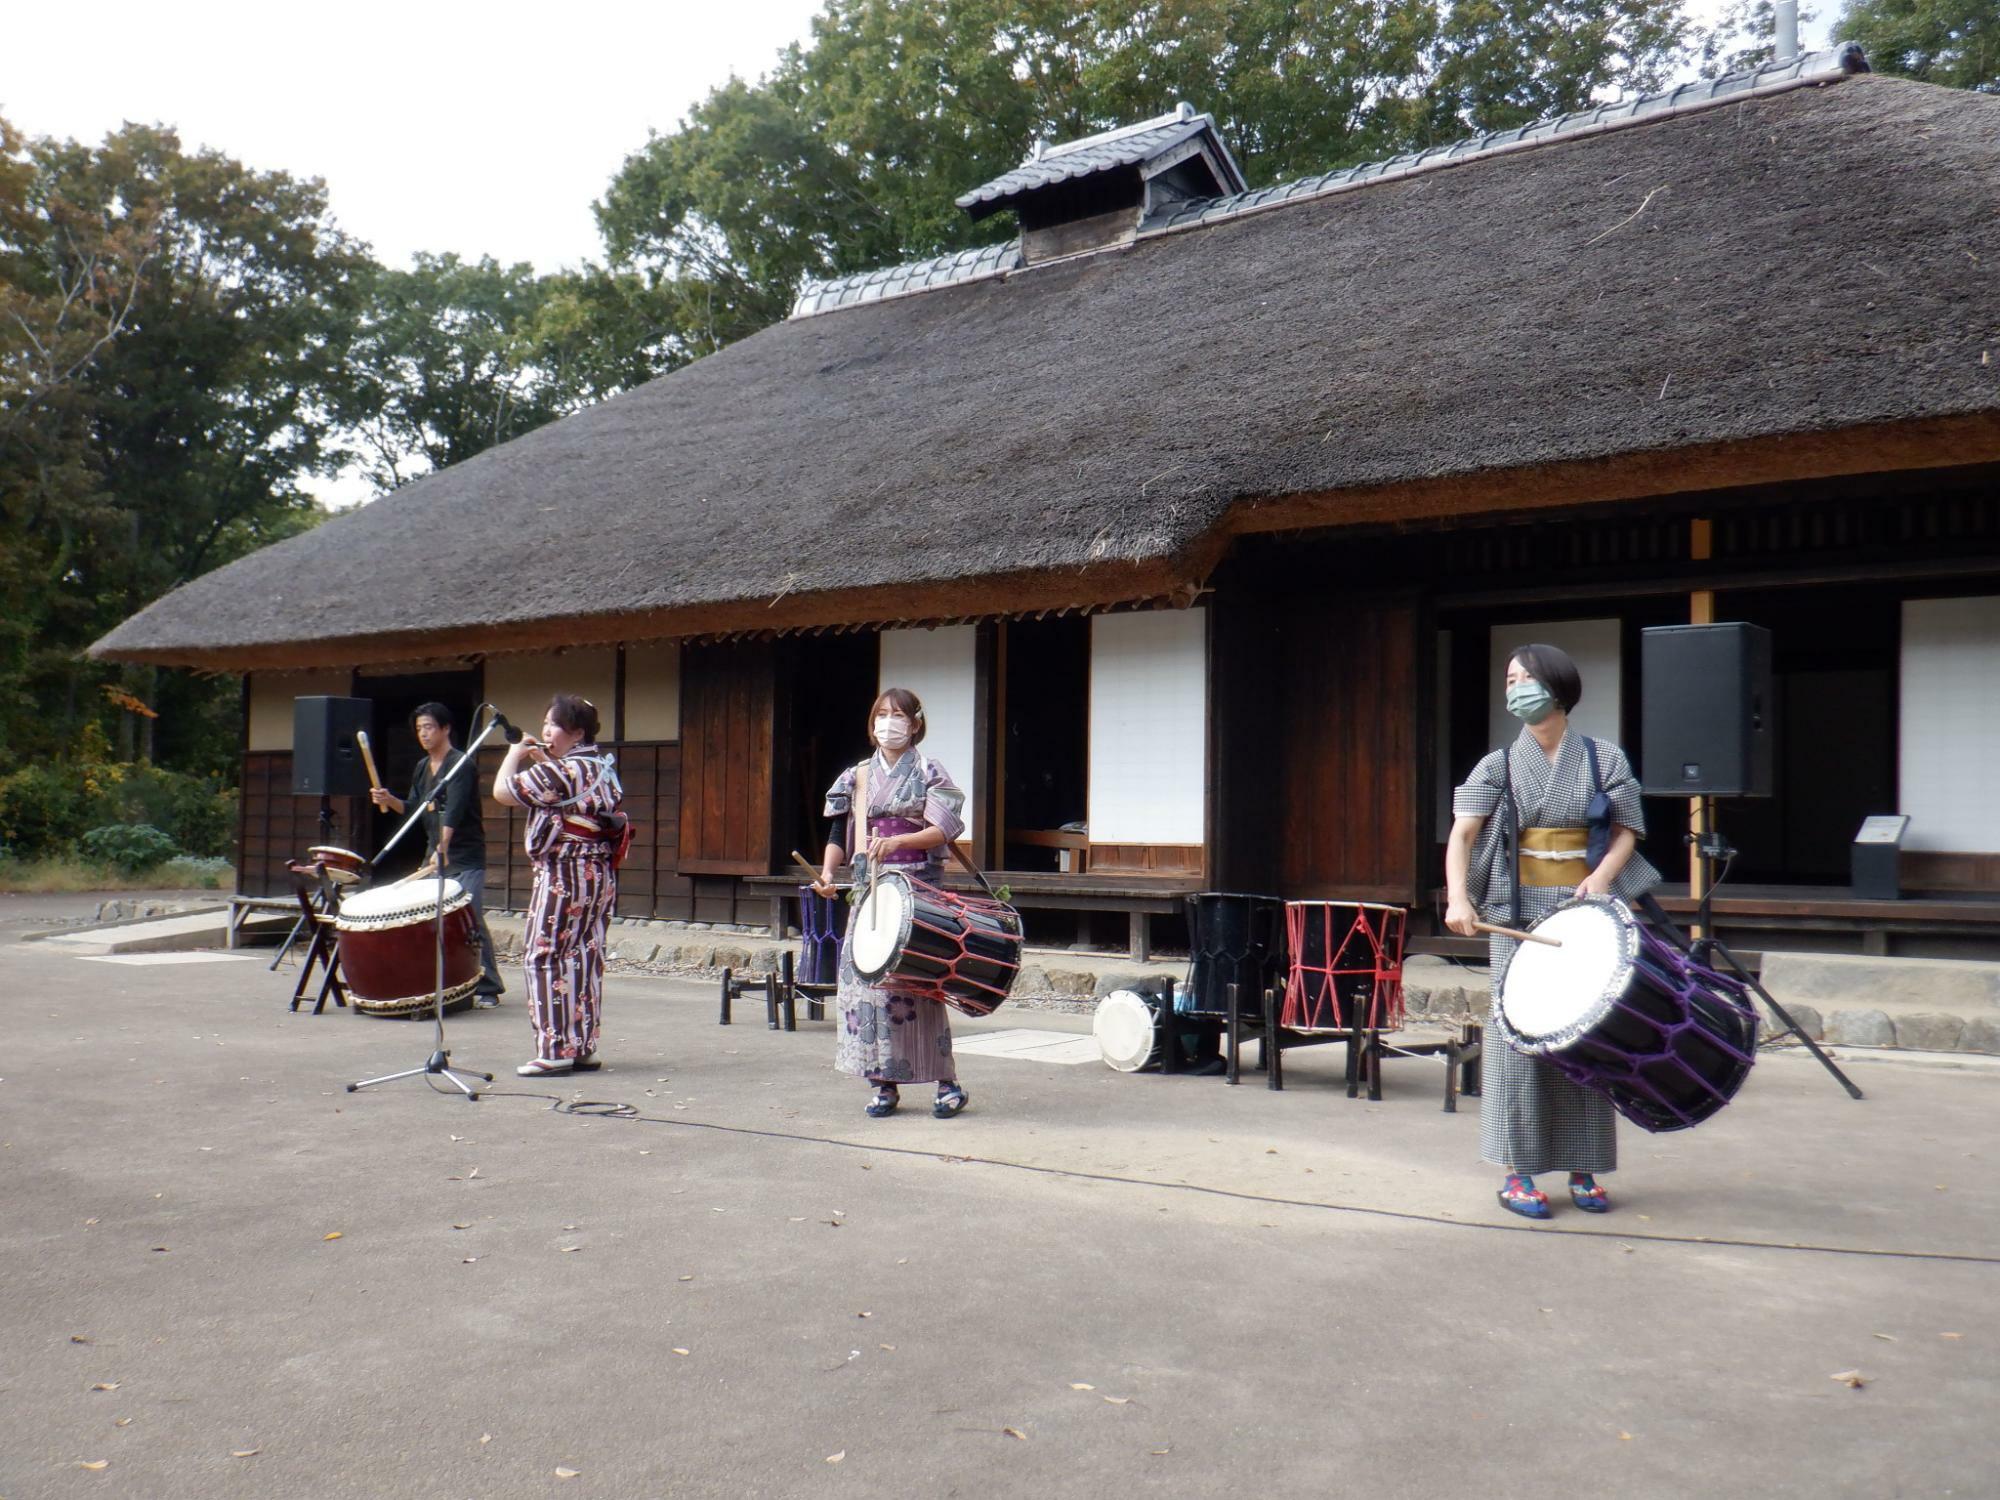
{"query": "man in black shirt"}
[(460, 844)]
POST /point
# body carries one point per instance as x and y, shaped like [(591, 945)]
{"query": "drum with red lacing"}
[(912, 938), (1346, 966)]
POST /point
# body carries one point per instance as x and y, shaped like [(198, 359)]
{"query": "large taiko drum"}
[(1669, 1041), (912, 938), (388, 947), (1131, 1031), (1346, 966)]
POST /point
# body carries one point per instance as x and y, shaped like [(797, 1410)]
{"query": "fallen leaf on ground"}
[(1159, 1452), (571, 1249), (469, 1260), (567, 1473), (681, 1352), (687, 1278), (122, 1422), (834, 1458), (245, 1452), (1119, 1400), (472, 1174), (159, 1249), (77, 1338), (1853, 1379), (1624, 1437), (1951, 1335), (904, 1261), (102, 1463), (333, 1236), (1015, 1432), (88, 1222), (485, 1437), (1078, 1385), (890, 1347), (800, 1219), (461, 1226), (1887, 1338), (105, 1385), (566, 1228), (864, 1315), (645, 1153)]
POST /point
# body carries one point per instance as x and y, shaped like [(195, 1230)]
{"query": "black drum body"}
[(1234, 939)]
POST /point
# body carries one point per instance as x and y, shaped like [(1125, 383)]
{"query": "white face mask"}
[(892, 731)]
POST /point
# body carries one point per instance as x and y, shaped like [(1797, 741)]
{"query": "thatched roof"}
[(1808, 264)]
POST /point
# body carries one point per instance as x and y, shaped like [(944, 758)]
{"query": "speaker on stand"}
[(1706, 732)]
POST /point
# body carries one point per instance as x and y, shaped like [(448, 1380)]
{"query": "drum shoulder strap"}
[(861, 832)]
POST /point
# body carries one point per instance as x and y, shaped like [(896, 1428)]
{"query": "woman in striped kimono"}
[(914, 809), (1531, 1118), (565, 782)]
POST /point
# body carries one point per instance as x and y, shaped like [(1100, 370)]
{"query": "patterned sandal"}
[(1587, 1195), (1520, 1197), (950, 1100), (885, 1101)]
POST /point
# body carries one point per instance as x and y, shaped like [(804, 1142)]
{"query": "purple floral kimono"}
[(884, 1036)]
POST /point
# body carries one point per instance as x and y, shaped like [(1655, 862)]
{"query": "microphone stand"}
[(439, 1062)]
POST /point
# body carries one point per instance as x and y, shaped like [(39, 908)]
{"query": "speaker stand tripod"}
[(1711, 848)]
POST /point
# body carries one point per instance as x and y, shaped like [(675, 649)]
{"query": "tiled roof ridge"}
[(1824, 65)]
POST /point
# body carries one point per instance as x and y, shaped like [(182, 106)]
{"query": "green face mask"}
[(1530, 702)]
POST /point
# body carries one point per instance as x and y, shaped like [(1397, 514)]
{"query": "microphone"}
[(508, 732)]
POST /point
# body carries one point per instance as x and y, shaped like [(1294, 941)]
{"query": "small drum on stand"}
[(388, 947), (820, 927), (912, 938), (1346, 966), (343, 866), (1669, 1041), (1235, 940)]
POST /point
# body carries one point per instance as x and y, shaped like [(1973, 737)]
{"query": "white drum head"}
[(403, 898), (881, 923), (1124, 1028), (1551, 996)]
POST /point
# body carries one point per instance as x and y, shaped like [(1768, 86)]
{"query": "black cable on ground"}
[(606, 1110)]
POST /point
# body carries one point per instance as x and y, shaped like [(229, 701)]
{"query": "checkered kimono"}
[(1531, 1118)]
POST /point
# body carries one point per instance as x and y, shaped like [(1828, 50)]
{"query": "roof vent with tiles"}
[(1088, 194)]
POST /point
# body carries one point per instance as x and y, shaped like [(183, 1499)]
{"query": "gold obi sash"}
[(1553, 856)]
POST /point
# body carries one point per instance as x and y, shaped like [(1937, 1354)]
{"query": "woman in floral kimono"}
[(1531, 1118), (914, 810), (567, 784)]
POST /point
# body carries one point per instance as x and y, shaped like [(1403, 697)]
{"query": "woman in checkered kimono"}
[(1531, 1118)]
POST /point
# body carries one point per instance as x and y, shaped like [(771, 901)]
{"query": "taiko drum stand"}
[(438, 1064), (1709, 848)]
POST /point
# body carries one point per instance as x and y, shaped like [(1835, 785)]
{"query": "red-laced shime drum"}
[(911, 938), (1347, 966), (343, 866), (388, 947), (1669, 1041)]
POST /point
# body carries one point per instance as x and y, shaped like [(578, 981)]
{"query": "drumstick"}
[(807, 865), (367, 758), (1516, 934)]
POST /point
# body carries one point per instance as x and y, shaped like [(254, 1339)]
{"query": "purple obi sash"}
[(889, 828)]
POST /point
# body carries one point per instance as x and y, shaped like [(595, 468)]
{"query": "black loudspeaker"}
[(1706, 720), (325, 760)]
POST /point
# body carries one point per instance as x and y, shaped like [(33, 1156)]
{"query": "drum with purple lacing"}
[(1669, 1041)]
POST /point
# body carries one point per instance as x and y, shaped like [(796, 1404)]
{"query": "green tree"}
[(849, 153), (1955, 43), (451, 356), (181, 441)]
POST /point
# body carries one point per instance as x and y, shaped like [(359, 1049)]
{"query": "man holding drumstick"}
[(459, 839)]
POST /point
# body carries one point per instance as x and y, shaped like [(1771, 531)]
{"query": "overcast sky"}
[(484, 129)]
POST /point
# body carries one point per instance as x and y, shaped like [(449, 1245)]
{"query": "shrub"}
[(197, 873), (129, 847), (197, 811), (42, 808)]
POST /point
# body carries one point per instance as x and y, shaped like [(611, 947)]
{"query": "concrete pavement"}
[(1289, 1293)]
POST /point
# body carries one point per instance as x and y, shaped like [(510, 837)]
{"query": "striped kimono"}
[(1532, 1118), (575, 890), (881, 1036)]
